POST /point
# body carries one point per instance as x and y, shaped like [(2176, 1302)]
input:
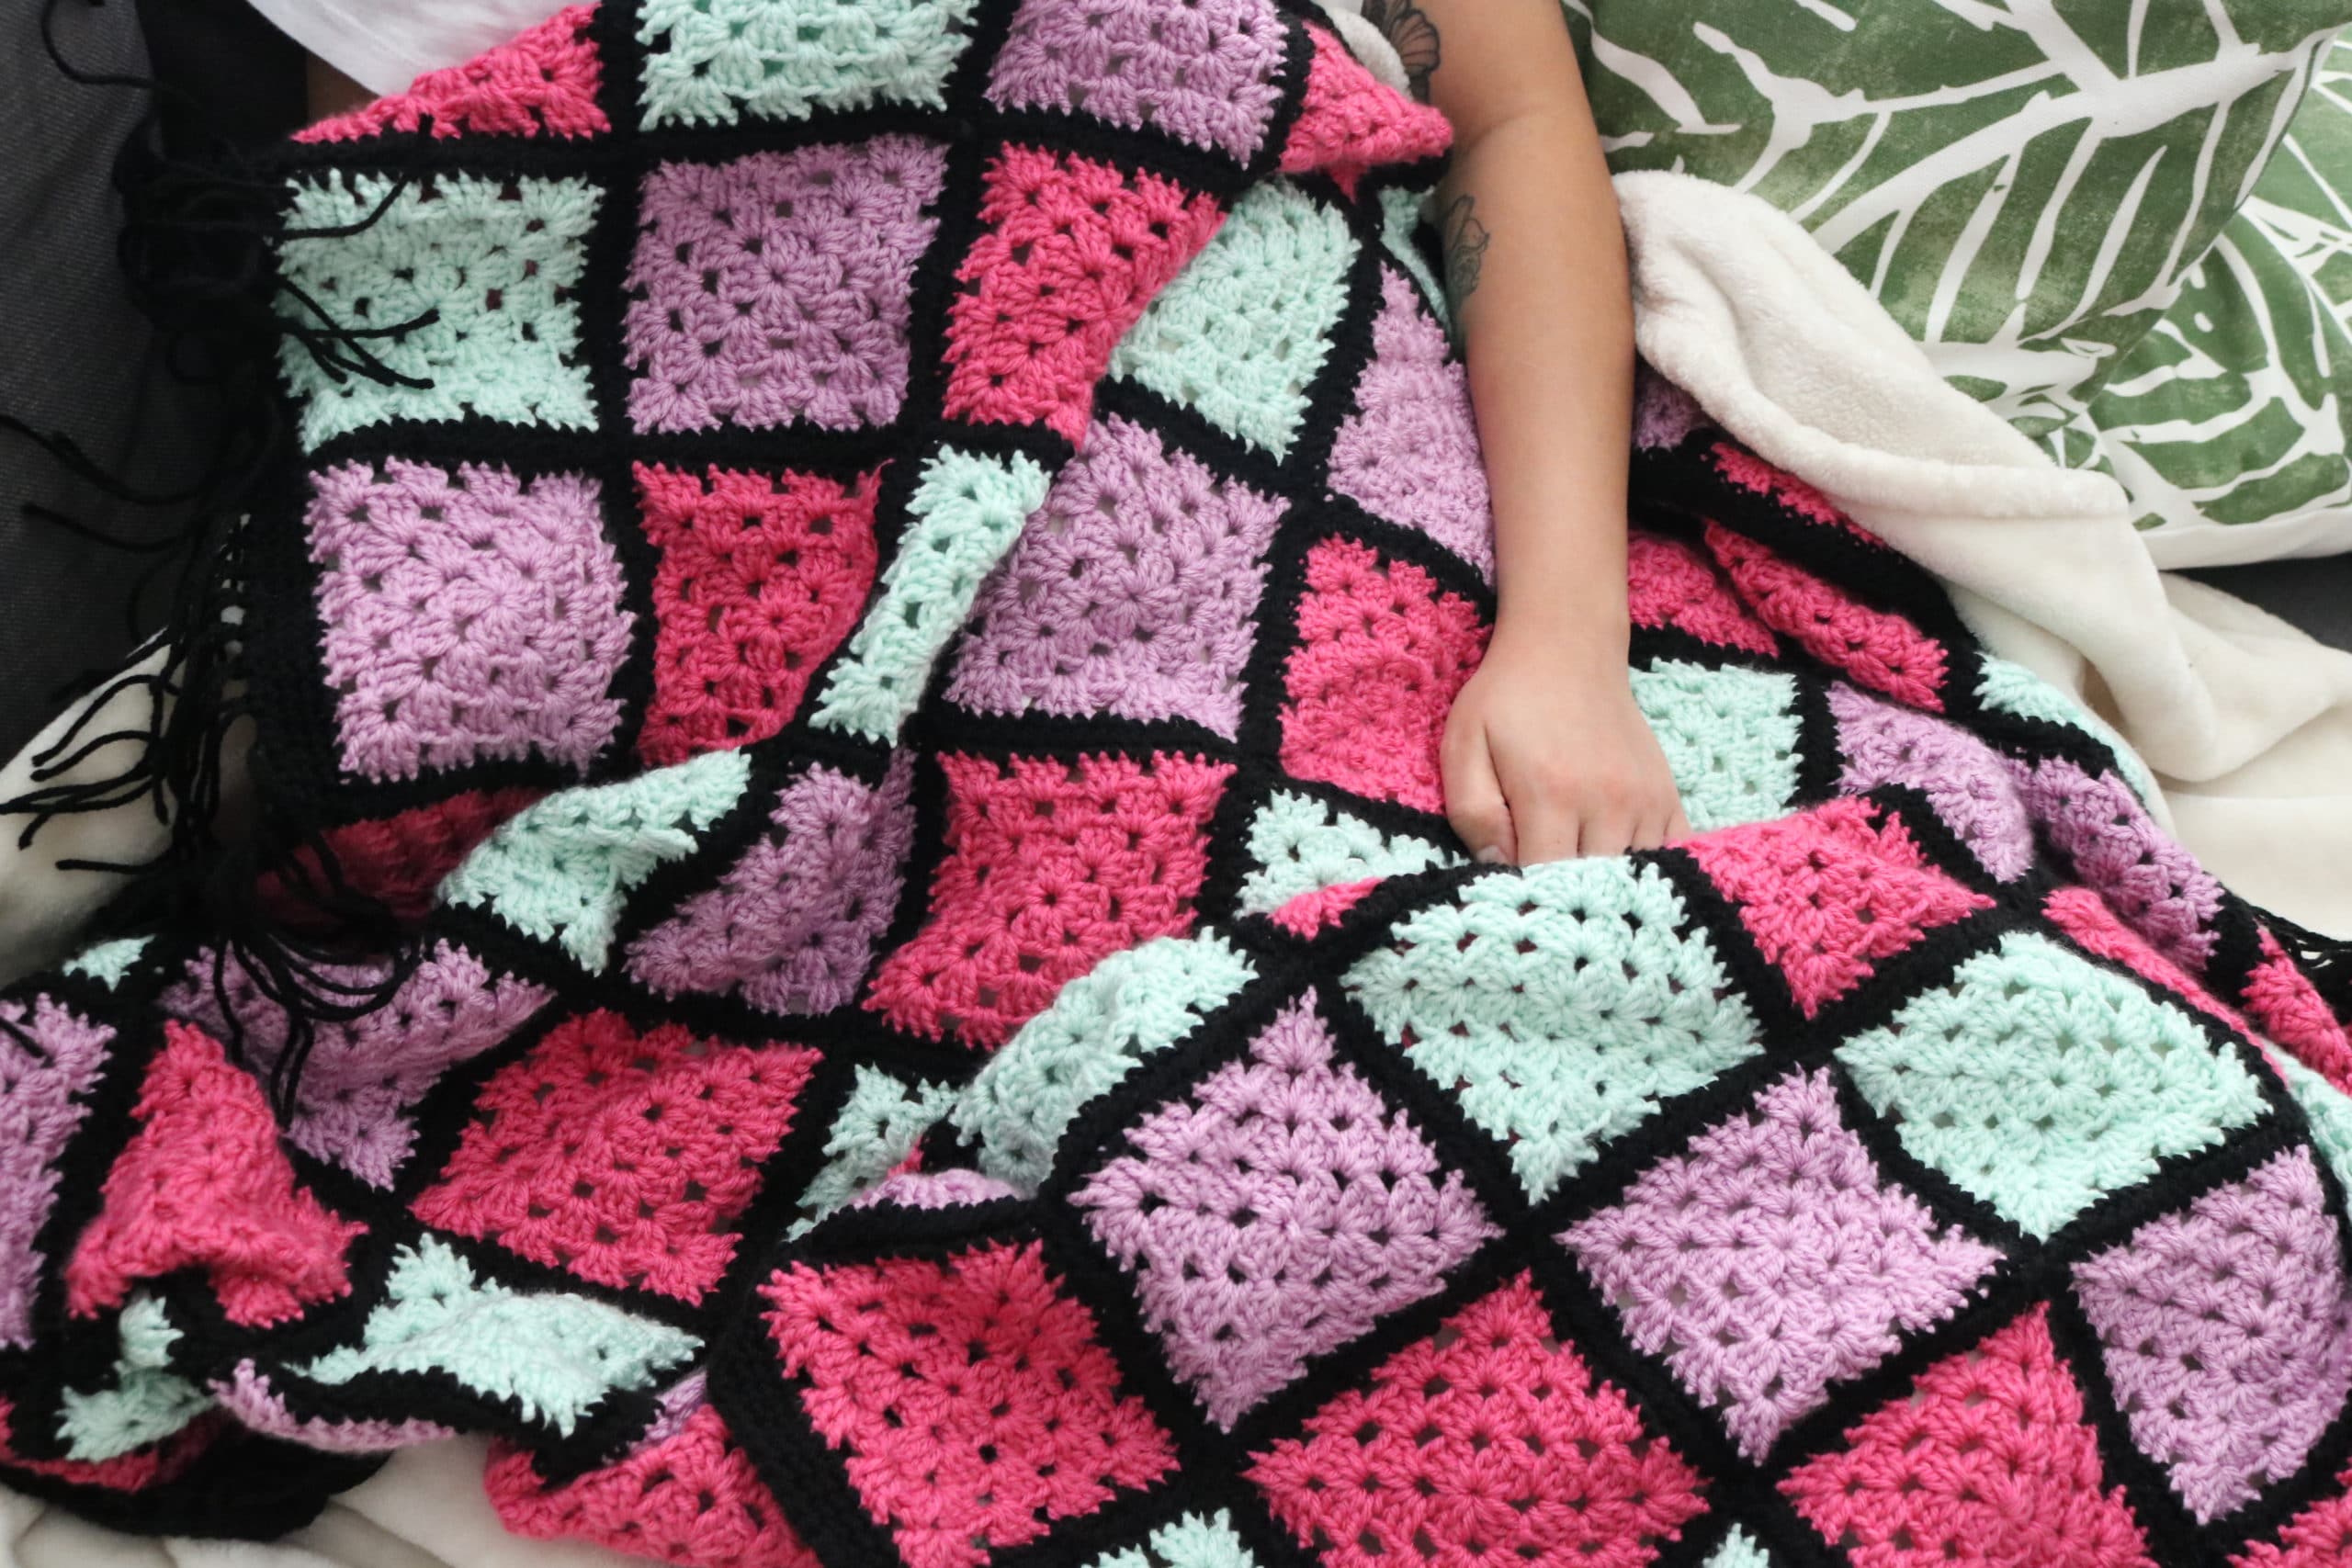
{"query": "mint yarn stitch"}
[(1239, 336), (1561, 1006), (458, 248), (714, 60), (967, 511), (559, 870)]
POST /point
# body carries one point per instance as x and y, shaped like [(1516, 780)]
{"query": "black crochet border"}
[(304, 742)]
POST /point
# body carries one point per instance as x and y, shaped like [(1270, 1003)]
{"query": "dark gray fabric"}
[(75, 357), (2313, 595)]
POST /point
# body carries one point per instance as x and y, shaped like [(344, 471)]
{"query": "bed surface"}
[(2315, 594)]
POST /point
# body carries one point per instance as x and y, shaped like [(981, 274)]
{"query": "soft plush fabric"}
[(1040, 1088), (2228, 423), (2027, 188), (2247, 721)]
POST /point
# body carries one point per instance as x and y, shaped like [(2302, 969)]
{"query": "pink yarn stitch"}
[(546, 79), (2291, 1012), (1382, 654), (1308, 913), (793, 927), (1491, 1442), (1749, 471), (133, 1472), (402, 859), (1134, 590), (2319, 1537), (1208, 71), (1409, 453), (1673, 585), (690, 1498), (1052, 866), (622, 1157), (1875, 647), (761, 576), (1831, 894), (1351, 124), (1278, 1211), (776, 289), (1987, 1462), (470, 617), (1772, 1259), (962, 1453), (1074, 251), (203, 1184)]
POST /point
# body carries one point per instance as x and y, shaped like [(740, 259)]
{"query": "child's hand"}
[(1546, 758)]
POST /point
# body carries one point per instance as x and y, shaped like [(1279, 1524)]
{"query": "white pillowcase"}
[(384, 45)]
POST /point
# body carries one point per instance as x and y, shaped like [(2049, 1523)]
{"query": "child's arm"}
[(1546, 755)]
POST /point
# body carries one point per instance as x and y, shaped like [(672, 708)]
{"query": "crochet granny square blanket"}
[(856, 620)]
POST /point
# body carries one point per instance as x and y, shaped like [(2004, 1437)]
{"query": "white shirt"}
[(384, 45)]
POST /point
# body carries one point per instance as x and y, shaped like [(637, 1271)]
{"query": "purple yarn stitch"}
[(42, 1094), (363, 1078), (933, 1190), (247, 1394), (2227, 1332), (778, 288), (678, 1405), (1278, 1212), (1205, 70), (1773, 1261), (793, 925), (468, 617), (2117, 849), (1409, 455), (1134, 590), (1968, 783), (1663, 414)]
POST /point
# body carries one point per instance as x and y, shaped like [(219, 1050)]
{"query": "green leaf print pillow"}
[(2026, 185), (2230, 424)]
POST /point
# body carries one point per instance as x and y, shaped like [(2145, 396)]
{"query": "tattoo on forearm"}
[(1410, 32), (1467, 239)]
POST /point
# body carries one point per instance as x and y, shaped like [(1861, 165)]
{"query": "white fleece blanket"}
[(2247, 721)]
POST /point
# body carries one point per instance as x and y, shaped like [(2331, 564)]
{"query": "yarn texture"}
[(877, 618)]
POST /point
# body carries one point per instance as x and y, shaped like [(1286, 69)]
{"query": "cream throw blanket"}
[(2247, 721)]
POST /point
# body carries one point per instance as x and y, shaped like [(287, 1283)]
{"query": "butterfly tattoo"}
[(1467, 239), (1410, 32)]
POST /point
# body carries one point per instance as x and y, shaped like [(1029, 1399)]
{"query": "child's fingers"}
[(1610, 833), (1546, 827), (1662, 824), (1474, 802)]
